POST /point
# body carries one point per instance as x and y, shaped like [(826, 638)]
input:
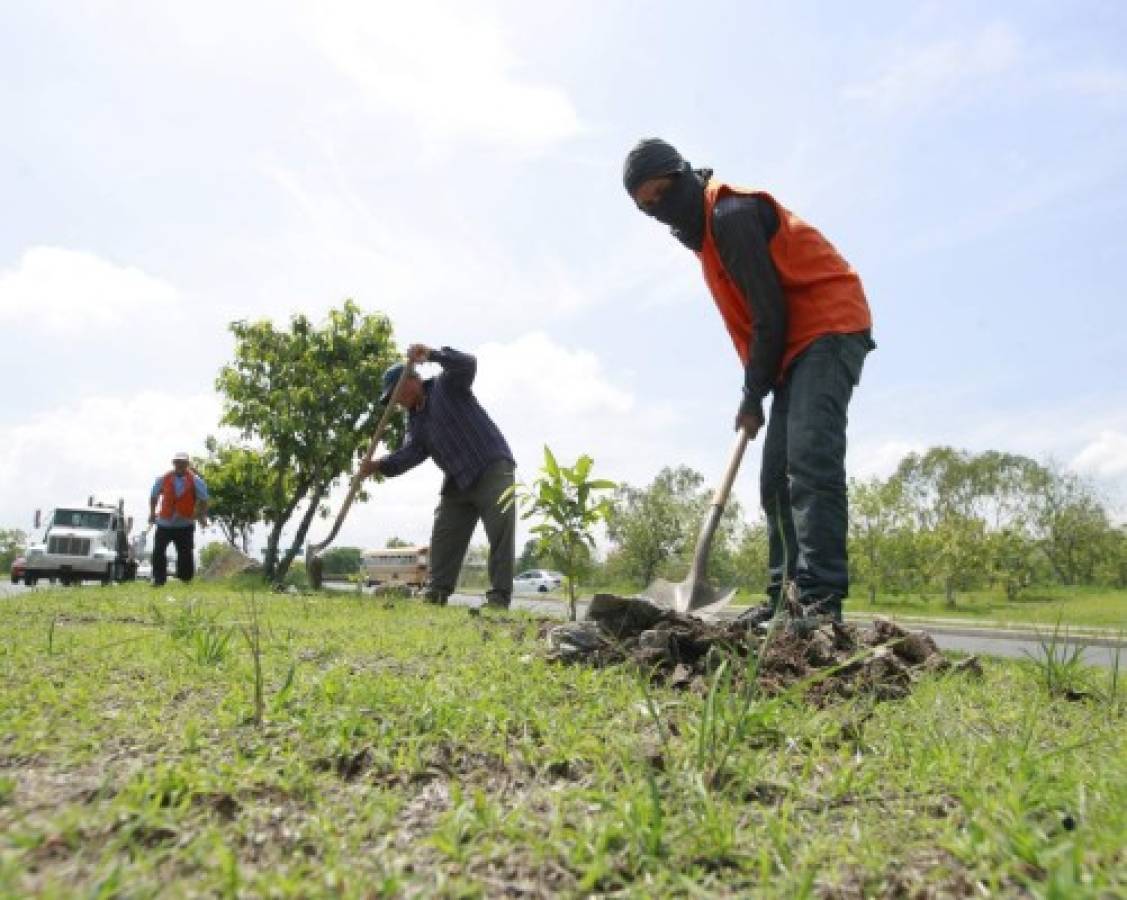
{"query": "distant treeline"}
[(945, 520)]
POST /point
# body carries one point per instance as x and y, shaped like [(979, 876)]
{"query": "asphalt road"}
[(1015, 643)]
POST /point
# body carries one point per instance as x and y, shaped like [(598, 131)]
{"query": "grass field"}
[(396, 749), (1043, 606)]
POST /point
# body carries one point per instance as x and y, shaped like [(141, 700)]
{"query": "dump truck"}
[(82, 543)]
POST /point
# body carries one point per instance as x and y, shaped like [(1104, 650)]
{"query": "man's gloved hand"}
[(750, 416)]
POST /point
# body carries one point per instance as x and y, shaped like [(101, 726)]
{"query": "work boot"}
[(755, 616), (497, 600), (827, 608), (813, 613), (435, 596)]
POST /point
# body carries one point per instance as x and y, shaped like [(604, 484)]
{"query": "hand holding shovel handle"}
[(358, 478)]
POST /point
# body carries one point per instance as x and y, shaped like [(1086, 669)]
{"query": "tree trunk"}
[(270, 560), (949, 591), (270, 568), (571, 585), (299, 537)]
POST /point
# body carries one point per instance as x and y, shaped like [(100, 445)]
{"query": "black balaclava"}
[(682, 206)]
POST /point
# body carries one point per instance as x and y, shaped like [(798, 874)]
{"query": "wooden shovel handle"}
[(716, 510), (720, 498), (357, 479)]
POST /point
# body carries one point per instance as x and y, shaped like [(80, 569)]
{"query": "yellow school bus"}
[(406, 566)]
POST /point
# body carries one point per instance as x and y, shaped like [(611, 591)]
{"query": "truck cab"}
[(82, 543)]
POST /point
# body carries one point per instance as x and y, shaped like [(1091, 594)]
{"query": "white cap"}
[(181, 455)]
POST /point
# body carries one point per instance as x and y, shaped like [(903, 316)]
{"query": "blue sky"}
[(166, 168)]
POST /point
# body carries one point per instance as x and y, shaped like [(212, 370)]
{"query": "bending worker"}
[(446, 423), (797, 314)]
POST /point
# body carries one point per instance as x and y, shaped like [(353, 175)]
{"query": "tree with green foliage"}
[(746, 564), (395, 541), (1112, 570), (342, 560), (1012, 560), (13, 543), (878, 533), (656, 527), (569, 504), (1069, 522), (529, 557), (943, 488), (961, 519), (308, 396), (239, 487)]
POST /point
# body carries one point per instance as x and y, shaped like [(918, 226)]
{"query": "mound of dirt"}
[(826, 660), (230, 562)]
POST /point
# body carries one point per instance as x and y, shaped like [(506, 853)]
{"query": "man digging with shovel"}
[(797, 314), (446, 423)]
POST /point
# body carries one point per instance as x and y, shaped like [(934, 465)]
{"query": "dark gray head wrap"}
[(681, 207), (650, 158)]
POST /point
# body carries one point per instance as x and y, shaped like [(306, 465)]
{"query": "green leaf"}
[(550, 464)]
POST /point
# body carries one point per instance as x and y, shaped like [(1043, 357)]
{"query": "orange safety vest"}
[(823, 292), (184, 505)]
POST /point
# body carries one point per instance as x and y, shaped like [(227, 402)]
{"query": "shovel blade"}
[(689, 596)]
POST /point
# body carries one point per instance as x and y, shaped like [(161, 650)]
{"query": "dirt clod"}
[(826, 660)]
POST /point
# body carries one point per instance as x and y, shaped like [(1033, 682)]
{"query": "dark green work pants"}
[(455, 518)]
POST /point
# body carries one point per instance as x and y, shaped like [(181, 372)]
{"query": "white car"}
[(537, 581)]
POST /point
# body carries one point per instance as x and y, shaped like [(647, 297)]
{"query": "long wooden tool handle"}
[(358, 479), (725, 487), (716, 509)]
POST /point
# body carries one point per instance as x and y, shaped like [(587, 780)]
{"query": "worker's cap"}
[(390, 380), (650, 158), (181, 456)]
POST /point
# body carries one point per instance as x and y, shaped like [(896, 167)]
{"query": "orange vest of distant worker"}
[(184, 505), (823, 292)]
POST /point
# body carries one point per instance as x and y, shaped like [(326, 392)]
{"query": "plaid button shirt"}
[(452, 428)]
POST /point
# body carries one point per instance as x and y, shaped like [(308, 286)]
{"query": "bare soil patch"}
[(826, 660)]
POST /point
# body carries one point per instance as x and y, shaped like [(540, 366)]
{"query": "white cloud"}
[(69, 291), (109, 447), (1104, 457), (538, 392), (543, 379), (921, 74), (451, 70), (424, 275), (879, 459)]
